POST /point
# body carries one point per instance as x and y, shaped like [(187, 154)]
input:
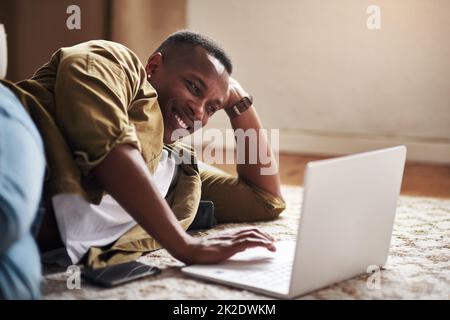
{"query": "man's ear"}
[(153, 63)]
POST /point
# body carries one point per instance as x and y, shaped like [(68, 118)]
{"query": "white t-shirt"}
[(83, 225)]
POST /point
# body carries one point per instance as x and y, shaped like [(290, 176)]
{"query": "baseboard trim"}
[(420, 151)]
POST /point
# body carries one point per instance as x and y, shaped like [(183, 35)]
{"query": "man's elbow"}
[(274, 208)]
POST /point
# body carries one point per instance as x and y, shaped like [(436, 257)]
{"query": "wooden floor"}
[(419, 179)]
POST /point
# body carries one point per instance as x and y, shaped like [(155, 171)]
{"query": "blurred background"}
[(317, 72)]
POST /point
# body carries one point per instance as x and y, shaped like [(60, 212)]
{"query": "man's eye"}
[(195, 90), (211, 109)]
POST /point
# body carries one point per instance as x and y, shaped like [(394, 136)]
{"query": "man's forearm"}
[(252, 171), (124, 175)]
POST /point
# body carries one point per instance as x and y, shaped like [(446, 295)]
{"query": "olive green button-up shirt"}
[(87, 99)]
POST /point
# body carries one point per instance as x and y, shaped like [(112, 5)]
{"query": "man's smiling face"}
[(191, 85)]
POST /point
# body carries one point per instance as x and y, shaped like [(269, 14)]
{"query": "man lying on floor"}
[(107, 124)]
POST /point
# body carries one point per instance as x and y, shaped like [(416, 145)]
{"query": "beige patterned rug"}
[(418, 266)]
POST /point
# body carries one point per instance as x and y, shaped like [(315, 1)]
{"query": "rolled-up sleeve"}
[(92, 96)]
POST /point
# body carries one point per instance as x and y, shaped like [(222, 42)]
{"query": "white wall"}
[(331, 85)]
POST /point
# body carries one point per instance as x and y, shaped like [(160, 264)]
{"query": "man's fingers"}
[(252, 231), (268, 236), (247, 243), (255, 231), (260, 241), (214, 250), (237, 238), (250, 235), (228, 244), (223, 237)]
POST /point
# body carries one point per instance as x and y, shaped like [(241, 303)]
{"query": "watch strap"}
[(240, 107)]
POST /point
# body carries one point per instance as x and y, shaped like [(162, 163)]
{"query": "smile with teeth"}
[(180, 122)]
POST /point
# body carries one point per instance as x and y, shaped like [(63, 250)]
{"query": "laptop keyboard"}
[(256, 268), (276, 275)]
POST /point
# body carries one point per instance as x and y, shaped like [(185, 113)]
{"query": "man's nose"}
[(198, 111)]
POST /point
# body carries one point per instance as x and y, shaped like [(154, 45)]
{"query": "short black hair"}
[(193, 39)]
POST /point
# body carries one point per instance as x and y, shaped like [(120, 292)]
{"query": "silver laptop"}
[(345, 227)]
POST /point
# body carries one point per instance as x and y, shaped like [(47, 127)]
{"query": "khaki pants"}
[(236, 200)]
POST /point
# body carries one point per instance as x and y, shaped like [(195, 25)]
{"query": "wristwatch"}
[(239, 107)]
